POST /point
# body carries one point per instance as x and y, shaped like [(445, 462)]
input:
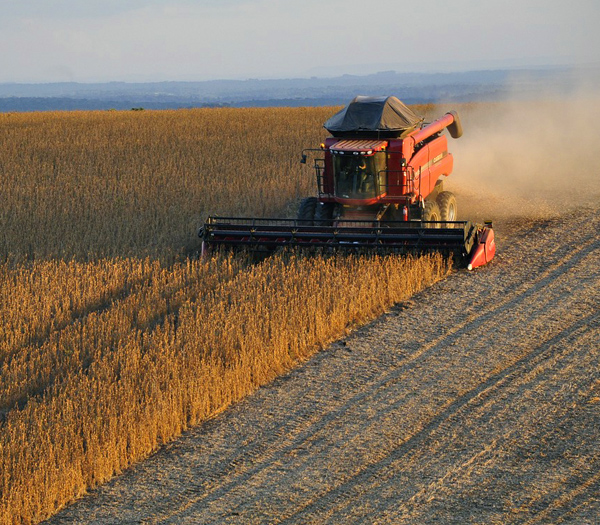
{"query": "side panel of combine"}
[(429, 163), (440, 161), (418, 166), (398, 181)]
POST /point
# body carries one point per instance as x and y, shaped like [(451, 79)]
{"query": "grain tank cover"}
[(382, 117)]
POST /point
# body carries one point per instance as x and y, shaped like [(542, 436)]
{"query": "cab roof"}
[(382, 117)]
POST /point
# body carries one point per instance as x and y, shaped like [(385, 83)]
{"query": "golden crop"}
[(89, 184), (112, 340)]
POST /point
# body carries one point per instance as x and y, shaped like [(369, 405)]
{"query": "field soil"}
[(476, 402)]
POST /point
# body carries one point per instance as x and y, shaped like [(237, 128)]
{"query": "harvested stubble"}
[(104, 359)]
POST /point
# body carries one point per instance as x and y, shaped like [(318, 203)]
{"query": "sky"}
[(156, 40)]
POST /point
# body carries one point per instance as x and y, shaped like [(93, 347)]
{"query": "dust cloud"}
[(527, 158)]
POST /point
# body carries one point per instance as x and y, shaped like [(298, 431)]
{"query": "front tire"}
[(431, 212), (447, 204), (307, 209), (324, 214)]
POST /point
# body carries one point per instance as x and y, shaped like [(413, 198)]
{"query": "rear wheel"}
[(307, 209), (324, 213), (447, 204), (431, 212)]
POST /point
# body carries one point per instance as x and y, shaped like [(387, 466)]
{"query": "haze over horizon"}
[(161, 40)]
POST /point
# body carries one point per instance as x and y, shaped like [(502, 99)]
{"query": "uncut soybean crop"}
[(115, 337)]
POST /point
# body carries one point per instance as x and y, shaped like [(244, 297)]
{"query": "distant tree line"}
[(23, 104)]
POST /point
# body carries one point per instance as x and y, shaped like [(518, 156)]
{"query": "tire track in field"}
[(479, 411), (271, 459), (474, 398), (481, 396), (583, 493), (583, 498), (489, 422)]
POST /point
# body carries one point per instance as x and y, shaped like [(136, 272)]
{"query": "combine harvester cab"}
[(379, 188)]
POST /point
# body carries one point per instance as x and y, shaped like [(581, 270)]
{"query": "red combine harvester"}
[(379, 187)]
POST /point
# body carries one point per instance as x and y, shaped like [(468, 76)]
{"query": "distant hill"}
[(412, 88)]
